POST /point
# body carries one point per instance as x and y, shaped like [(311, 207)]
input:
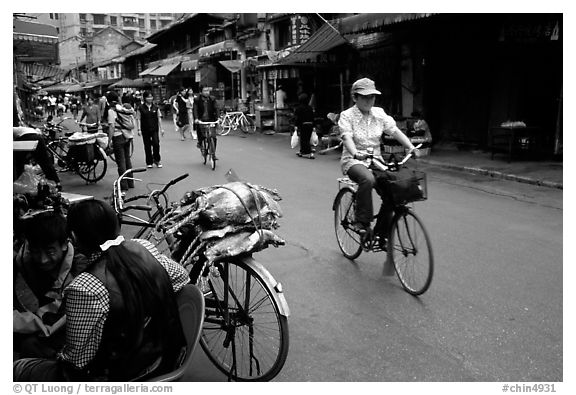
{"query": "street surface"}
[(492, 313)]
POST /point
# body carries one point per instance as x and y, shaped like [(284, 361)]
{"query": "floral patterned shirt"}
[(366, 132)]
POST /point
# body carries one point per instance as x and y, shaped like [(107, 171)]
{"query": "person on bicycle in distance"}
[(361, 127), (205, 110), (122, 320)]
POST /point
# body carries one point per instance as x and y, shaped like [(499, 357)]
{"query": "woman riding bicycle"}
[(361, 128)]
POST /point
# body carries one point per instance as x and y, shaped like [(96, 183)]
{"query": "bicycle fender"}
[(338, 194), (103, 153), (274, 285)]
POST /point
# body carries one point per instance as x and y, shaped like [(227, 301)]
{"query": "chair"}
[(191, 307)]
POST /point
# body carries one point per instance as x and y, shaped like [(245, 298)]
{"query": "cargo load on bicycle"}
[(223, 221)]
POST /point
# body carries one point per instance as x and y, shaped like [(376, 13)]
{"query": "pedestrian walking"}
[(182, 121), (149, 123), (174, 111), (120, 135), (304, 122), (52, 105), (190, 109)]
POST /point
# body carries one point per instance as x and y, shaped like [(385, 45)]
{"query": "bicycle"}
[(88, 160), (233, 120), (245, 331), (406, 242), (208, 145)]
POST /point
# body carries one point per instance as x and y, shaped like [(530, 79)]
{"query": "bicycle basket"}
[(412, 187), (81, 153)]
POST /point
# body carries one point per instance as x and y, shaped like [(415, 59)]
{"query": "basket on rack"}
[(411, 187)]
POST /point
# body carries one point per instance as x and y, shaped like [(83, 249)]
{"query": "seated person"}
[(44, 264), (122, 320)]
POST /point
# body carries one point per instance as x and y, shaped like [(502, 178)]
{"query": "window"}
[(51, 16), (141, 23), (283, 31), (99, 19), (129, 21), (56, 15), (153, 24), (164, 23), (113, 21), (57, 30), (83, 31), (82, 17)]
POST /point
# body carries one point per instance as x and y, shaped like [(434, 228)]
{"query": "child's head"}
[(47, 239)]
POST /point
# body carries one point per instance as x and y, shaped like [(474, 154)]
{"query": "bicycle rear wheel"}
[(94, 170), (247, 125), (244, 334), (410, 250), (344, 207)]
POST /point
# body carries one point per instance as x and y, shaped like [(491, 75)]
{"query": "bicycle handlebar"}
[(379, 162), (172, 182)]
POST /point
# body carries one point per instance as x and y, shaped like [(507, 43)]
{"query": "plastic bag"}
[(314, 138), (295, 140), (28, 181)]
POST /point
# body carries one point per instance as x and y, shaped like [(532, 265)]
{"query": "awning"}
[(189, 65), (94, 84), (371, 22), (148, 70), (233, 66), (61, 87), (129, 83), (74, 88), (323, 40), (223, 46), (164, 70)]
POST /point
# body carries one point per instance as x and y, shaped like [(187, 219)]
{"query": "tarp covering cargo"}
[(223, 221)]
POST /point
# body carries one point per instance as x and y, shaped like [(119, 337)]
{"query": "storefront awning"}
[(164, 70), (371, 22), (323, 40), (189, 65), (148, 70), (223, 46), (232, 66)]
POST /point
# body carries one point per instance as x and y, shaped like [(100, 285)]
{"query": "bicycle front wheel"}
[(212, 145), (344, 211), (410, 250), (225, 126), (244, 334)]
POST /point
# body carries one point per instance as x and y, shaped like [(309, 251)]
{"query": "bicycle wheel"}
[(212, 145), (246, 125), (410, 250), (344, 211), (204, 150), (225, 126), (244, 334), (94, 170)]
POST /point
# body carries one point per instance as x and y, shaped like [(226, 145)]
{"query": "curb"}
[(494, 174), (478, 170)]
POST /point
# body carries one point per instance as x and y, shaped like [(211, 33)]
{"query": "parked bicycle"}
[(405, 241), (88, 160), (232, 120), (245, 332), (208, 144)]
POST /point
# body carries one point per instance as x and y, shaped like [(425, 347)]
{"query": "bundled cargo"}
[(223, 221)]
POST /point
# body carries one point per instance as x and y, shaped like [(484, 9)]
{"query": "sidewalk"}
[(546, 173)]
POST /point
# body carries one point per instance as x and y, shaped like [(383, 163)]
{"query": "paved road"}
[(493, 312)]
